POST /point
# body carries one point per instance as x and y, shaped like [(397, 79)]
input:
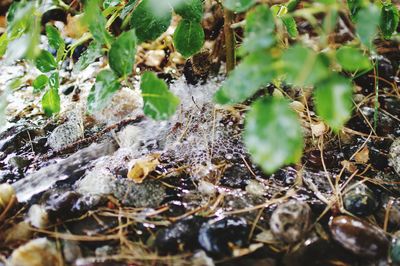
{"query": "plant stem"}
[(229, 40)]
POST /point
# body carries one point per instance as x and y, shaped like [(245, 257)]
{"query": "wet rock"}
[(218, 237), (68, 90), (150, 193), (92, 226), (394, 155), (17, 136), (67, 133), (37, 252), (390, 210), (179, 236), (290, 221), (19, 162), (360, 201), (395, 248), (235, 176), (70, 204), (285, 176), (359, 237)]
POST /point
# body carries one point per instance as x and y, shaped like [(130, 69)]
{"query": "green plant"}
[(273, 133)]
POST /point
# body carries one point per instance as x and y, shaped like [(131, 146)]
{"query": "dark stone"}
[(235, 176), (360, 201), (359, 237), (216, 237), (180, 236), (68, 90)]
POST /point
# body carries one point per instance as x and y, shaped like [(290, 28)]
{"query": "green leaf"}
[(92, 53), (273, 134), (54, 36), (238, 5), (40, 82), (290, 25), (292, 4), (3, 44), (54, 80), (110, 3), (122, 53), (304, 67), (190, 9), (45, 62), (367, 21), (333, 101), (159, 102), (96, 22), (188, 37), (354, 7), (148, 24), (102, 91), (351, 59), (51, 102), (246, 79), (128, 9), (259, 31), (389, 20), (55, 41)]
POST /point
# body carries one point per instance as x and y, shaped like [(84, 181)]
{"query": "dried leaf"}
[(143, 167), (362, 156)]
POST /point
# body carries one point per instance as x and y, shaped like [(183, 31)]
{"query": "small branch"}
[(229, 40)]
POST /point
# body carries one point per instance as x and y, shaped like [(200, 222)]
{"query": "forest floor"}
[(117, 188)]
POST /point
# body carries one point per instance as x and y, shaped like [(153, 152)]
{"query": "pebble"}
[(255, 188), (359, 237), (219, 237), (290, 221), (67, 133), (395, 248), (37, 216), (37, 252), (6, 194), (360, 201)]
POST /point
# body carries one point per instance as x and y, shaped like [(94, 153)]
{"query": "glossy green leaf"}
[(159, 102), (367, 21), (51, 103), (354, 7), (110, 3), (292, 4), (128, 8), (238, 5), (92, 53), (304, 67), (188, 37), (259, 31), (290, 25), (122, 53), (54, 37), (45, 62), (246, 79), (389, 20), (190, 9), (54, 80), (333, 101), (273, 135), (148, 24), (351, 59), (3, 44), (40, 82), (96, 22), (102, 91)]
